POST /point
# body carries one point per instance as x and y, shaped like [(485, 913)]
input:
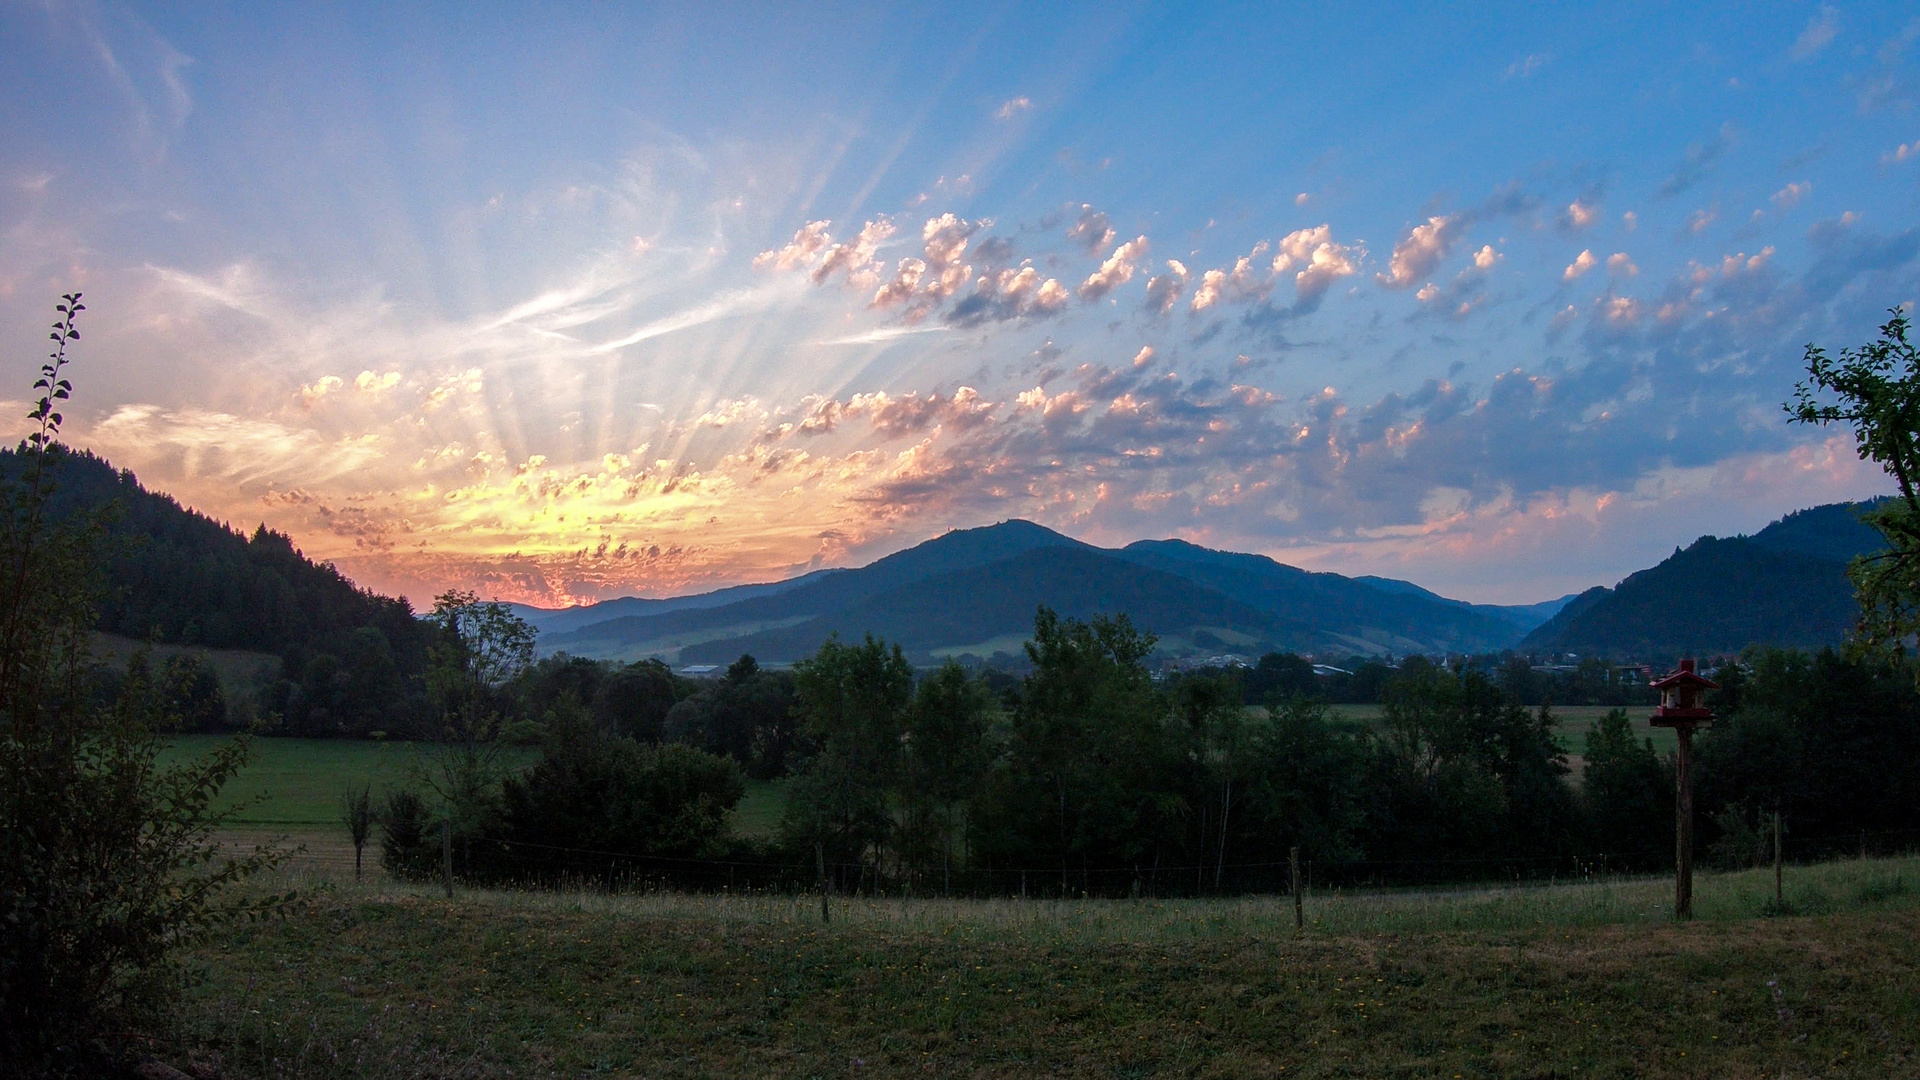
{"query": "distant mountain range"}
[(1784, 585), (975, 591)]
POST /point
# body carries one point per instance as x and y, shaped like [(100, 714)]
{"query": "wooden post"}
[(1683, 825), (820, 859), (1776, 859), (1299, 912), (446, 853)]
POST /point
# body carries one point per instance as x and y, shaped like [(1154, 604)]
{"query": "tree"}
[(482, 647), (108, 861), (356, 813), (1628, 791), (1878, 390), (853, 701), (1089, 759), (946, 754)]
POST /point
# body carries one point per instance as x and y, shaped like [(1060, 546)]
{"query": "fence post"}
[(1776, 858), (820, 858), (1299, 913)]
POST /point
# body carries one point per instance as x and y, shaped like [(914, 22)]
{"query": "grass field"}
[(1577, 981), (292, 787)]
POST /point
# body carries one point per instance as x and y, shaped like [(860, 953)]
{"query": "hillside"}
[(350, 658), (975, 591), (1785, 585)]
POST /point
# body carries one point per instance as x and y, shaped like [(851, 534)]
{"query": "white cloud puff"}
[(311, 393), (1789, 197), (855, 258), (807, 242), (1420, 250), (1116, 271), (1620, 264), (1580, 214), (1321, 261), (1581, 263), (1012, 107)]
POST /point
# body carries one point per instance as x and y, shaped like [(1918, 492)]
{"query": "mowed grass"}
[(1582, 981), (293, 787), (1572, 722)]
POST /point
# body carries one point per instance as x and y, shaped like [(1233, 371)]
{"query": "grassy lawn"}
[(1577, 981), (292, 787), (1574, 721)]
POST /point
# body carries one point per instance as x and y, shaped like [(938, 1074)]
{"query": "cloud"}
[(1322, 262), (1901, 153), (1619, 264), (1007, 294), (809, 240), (1789, 197), (311, 393), (920, 286), (1819, 33), (1011, 108), (1116, 271), (1164, 290), (1239, 284), (1486, 257), (1631, 220), (855, 258), (1581, 263), (1578, 215), (1526, 66), (1091, 231), (369, 382), (1694, 166), (1420, 250), (1698, 221), (470, 381)]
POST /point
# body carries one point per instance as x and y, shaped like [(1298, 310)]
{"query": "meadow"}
[(1583, 980)]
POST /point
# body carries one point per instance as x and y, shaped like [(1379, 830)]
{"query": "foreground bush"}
[(108, 862)]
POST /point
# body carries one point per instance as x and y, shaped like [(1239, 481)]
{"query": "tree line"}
[(1089, 776)]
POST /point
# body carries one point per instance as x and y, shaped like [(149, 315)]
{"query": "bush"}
[(409, 844), (606, 807), (108, 862)]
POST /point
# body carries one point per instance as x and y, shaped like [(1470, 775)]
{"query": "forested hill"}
[(1785, 585), (179, 577)]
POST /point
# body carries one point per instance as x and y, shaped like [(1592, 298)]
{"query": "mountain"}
[(976, 590), (1524, 616), (1785, 585), (560, 620)]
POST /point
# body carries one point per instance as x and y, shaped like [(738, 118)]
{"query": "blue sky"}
[(587, 302)]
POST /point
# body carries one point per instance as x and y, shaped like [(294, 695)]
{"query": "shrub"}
[(108, 862)]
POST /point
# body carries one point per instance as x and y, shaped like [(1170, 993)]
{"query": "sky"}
[(580, 302)]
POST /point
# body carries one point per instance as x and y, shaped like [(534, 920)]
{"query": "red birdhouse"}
[(1682, 699)]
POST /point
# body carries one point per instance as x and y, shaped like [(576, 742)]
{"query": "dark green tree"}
[(853, 701), (946, 760), (1877, 387), (1092, 774), (1628, 793)]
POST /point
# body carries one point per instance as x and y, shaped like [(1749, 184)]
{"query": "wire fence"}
[(499, 860)]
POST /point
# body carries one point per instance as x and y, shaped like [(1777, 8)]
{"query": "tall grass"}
[(1826, 888)]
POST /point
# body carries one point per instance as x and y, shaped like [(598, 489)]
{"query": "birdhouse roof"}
[(1686, 676)]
